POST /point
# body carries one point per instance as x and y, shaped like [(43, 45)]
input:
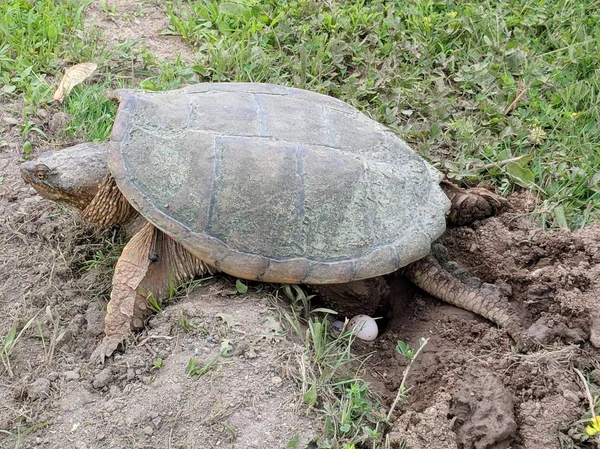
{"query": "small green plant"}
[(108, 10), (355, 417), (56, 337), (293, 443), (241, 288), (411, 356), (301, 307), (186, 287), (183, 322), (193, 369), (104, 259), (27, 147), (587, 429), (158, 363), (154, 303), (9, 341)]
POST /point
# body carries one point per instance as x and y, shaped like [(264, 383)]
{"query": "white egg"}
[(364, 327)]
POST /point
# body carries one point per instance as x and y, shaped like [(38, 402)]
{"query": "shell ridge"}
[(335, 149), (300, 237), (215, 182), (259, 115)]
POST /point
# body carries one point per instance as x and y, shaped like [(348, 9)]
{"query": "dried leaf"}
[(72, 77)]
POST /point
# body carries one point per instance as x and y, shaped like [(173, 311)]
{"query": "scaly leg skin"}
[(109, 206), (152, 264), (468, 205), (431, 277)]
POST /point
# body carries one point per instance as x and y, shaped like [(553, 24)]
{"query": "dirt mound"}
[(553, 279)]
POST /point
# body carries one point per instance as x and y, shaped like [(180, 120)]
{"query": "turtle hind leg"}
[(428, 275), (469, 205), (152, 264)]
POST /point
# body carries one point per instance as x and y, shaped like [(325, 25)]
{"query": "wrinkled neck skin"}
[(71, 176)]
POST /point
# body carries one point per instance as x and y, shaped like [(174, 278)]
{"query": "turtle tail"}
[(428, 275)]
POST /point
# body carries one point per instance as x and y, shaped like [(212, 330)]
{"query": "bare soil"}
[(470, 387)]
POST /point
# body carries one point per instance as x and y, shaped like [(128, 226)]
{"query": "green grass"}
[(442, 74), (40, 39)]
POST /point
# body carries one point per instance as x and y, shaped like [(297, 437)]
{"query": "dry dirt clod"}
[(39, 389), (71, 375), (103, 378), (483, 408)]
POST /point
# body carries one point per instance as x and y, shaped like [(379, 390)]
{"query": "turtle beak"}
[(27, 172)]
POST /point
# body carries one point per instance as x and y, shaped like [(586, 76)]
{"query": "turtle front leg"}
[(469, 205), (152, 264)]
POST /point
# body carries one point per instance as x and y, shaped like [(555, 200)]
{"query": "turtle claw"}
[(105, 349)]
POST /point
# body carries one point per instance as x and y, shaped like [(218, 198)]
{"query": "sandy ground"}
[(471, 389)]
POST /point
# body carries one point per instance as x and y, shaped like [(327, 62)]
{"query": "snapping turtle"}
[(262, 182)]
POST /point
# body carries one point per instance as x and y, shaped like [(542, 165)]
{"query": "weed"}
[(585, 431), (101, 259), (184, 322), (301, 304), (154, 303), (21, 433), (411, 356), (56, 337), (240, 288), (193, 369), (9, 341)]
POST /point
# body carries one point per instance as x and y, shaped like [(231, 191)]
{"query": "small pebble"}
[(571, 396), (103, 378), (148, 430), (114, 391), (276, 381), (39, 389), (71, 375), (10, 120)]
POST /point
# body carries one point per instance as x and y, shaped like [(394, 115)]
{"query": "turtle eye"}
[(41, 171)]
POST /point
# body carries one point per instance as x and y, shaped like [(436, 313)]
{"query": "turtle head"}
[(71, 176)]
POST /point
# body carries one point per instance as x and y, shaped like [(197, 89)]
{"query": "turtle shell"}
[(275, 184)]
